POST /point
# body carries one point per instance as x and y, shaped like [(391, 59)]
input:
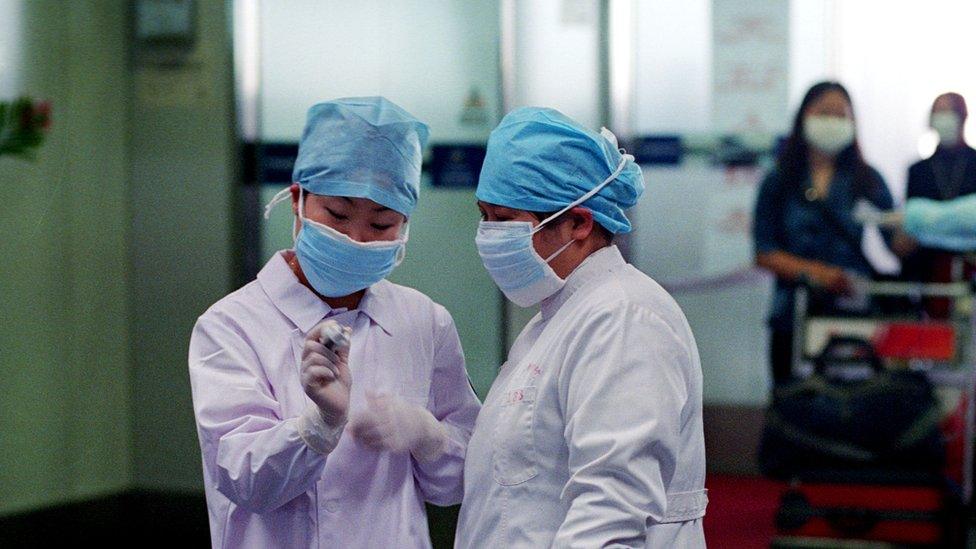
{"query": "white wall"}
[(896, 57)]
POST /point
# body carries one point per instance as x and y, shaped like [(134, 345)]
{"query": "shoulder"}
[(246, 302), (875, 174), (874, 187), (970, 154), (919, 165), (633, 301), (919, 178), (237, 323), (239, 313), (774, 190), (772, 180)]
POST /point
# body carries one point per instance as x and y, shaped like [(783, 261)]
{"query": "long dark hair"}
[(793, 164)]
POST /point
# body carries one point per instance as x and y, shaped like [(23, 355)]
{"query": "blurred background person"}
[(948, 174), (804, 228)]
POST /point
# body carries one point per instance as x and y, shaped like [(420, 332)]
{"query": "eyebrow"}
[(376, 209)]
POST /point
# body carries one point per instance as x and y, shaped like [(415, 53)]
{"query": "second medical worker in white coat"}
[(591, 435)]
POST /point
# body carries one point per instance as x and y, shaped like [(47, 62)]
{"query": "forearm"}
[(790, 267), (595, 519), (442, 479), (262, 470)]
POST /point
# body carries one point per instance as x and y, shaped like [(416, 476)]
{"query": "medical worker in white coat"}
[(591, 435), (306, 445)]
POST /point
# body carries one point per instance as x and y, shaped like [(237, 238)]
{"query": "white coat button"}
[(331, 506)]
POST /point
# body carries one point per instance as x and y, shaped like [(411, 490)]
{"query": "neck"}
[(350, 301), (820, 160), (958, 146), (574, 260)]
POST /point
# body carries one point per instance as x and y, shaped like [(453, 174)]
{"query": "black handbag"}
[(886, 419)]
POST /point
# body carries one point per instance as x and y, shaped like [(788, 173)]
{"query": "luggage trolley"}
[(944, 349)]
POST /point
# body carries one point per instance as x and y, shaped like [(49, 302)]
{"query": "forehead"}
[(943, 103), (832, 101), (352, 202), (489, 207)]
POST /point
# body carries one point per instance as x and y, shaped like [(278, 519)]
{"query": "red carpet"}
[(740, 511)]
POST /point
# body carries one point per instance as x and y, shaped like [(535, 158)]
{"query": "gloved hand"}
[(325, 371), (391, 424)]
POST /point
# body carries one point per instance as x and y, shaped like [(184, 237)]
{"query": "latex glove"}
[(392, 424), (325, 371)]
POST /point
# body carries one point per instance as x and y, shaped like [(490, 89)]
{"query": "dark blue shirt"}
[(786, 220)]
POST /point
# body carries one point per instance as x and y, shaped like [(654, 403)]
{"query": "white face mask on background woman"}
[(829, 134), (946, 124)]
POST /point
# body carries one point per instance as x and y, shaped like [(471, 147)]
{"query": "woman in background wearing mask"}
[(804, 227), (272, 398), (949, 173)]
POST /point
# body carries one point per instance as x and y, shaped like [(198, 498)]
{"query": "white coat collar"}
[(304, 308), (597, 265)]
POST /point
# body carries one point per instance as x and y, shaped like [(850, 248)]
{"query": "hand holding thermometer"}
[(335, 337), (325, 372)]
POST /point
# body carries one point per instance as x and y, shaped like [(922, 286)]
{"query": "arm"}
[(258, 459), (904, 246), (454, 404), (624, 395), (880, 196)]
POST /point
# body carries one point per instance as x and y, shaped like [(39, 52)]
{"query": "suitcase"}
[(885, 506)]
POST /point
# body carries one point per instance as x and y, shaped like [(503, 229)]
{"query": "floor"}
[(740, 511)]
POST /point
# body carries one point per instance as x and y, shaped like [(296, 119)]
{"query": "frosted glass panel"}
[(673, 67), (425, 56), (10, 44), (557, 61)]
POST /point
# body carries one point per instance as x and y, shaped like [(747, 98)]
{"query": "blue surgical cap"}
[(362, 147), (540, 160)]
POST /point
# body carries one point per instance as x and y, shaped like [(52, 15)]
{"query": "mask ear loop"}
[(560, 250), (624, 158), (301, 214), (282, 196), (402, 252), (620, 168), (278, 198)]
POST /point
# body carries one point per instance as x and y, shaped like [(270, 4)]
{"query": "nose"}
[(358, 234)]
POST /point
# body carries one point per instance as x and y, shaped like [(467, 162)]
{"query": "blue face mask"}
[(519, 272), (508, 254), (336, 265)]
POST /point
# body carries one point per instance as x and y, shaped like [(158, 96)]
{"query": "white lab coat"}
[(591, 436)]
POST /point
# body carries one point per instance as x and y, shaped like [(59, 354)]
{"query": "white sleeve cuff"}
[(316, 433)]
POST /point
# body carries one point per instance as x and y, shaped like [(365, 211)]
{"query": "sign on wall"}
[(750, 60)]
